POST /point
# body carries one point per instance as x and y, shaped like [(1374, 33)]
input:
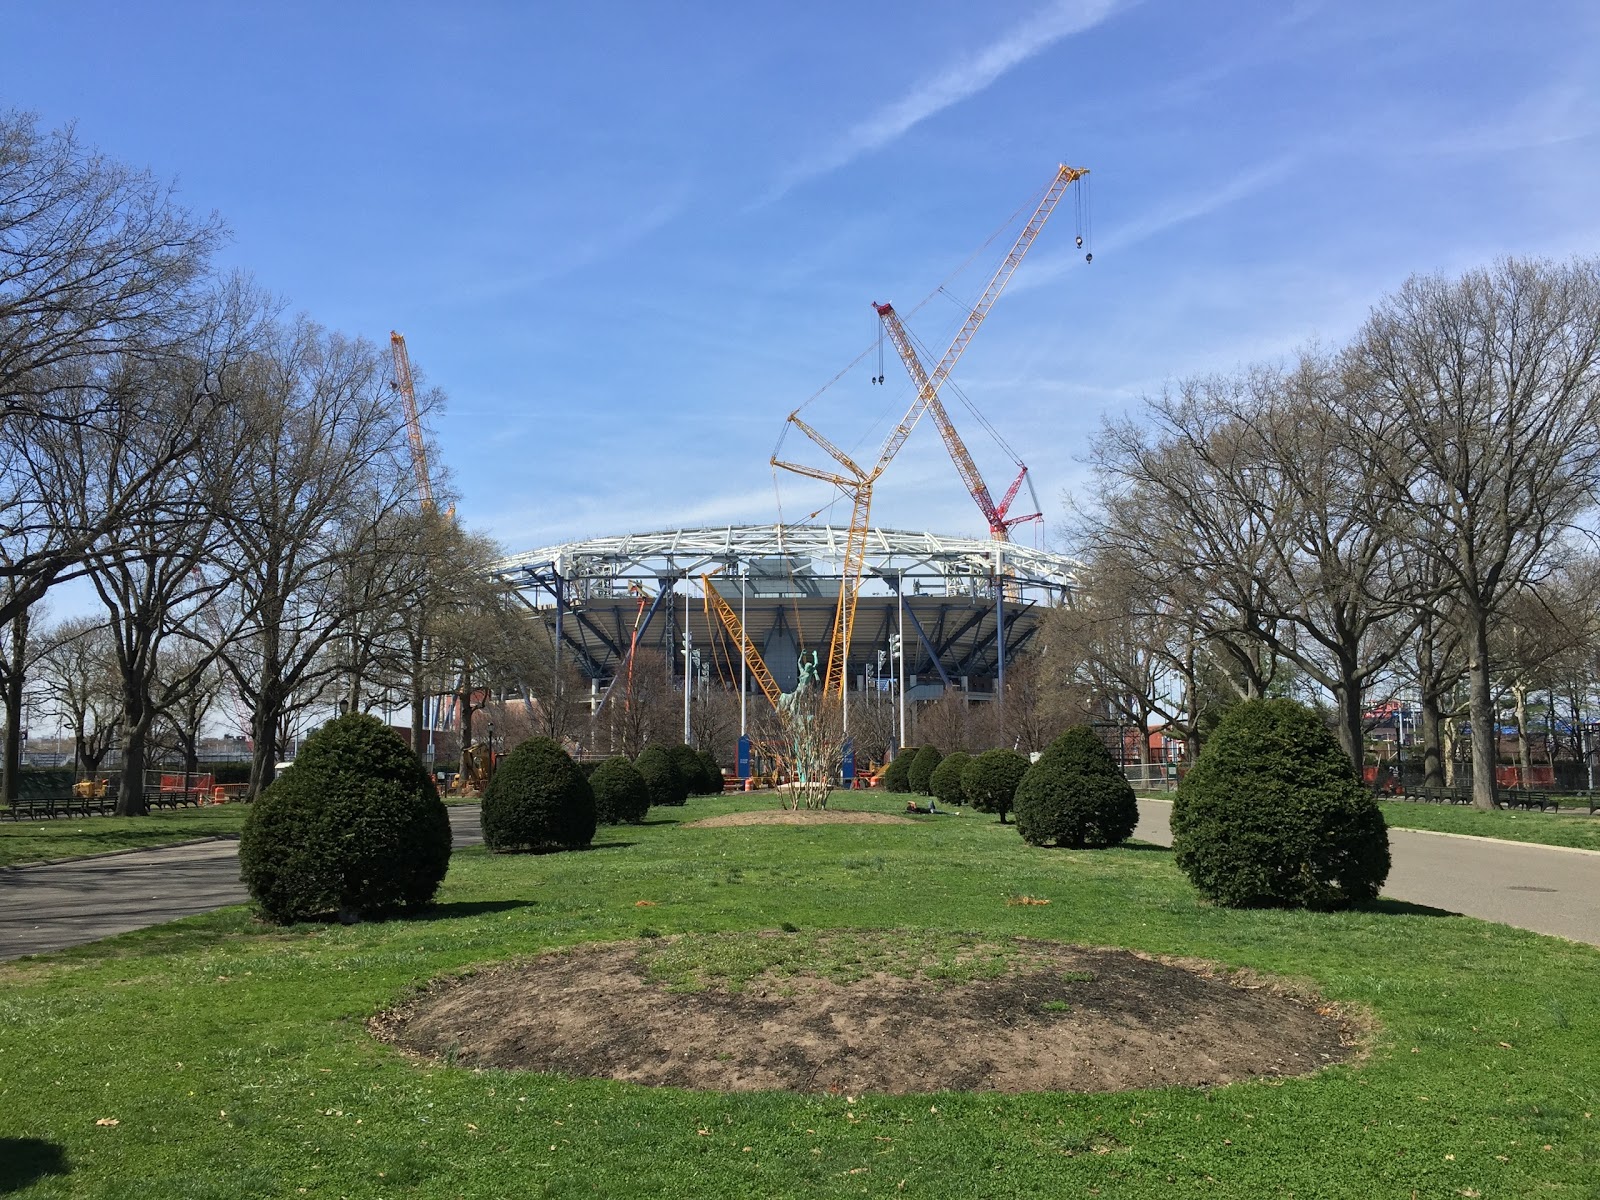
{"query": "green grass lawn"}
[(1547, 829), (64, 837), (234, 1060)]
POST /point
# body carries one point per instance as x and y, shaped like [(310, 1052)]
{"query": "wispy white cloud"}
[(1177, 210), (952, 84)]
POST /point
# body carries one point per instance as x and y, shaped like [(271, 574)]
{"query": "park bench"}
[(179, 790), (39, 799), (1511, 798), (1438, 795)]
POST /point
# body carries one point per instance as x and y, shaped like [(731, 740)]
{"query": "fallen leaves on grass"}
[(1016, 900), (644, 903), (108, 1121)]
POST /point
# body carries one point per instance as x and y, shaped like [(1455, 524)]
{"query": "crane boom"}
[(858, 484), (408, 396), (1065, 177), (752, 657), (965, 467)]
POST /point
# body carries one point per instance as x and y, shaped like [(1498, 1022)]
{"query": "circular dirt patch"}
[(799, 816), (1014, 1017)]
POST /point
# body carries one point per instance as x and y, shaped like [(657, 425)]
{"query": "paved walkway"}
[(49, 907), (1543, 888)]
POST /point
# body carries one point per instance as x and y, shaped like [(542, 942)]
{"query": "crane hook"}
[(1088, 258), (1080, 241)]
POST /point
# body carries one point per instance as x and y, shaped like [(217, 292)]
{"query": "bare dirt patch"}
[(801, 816), (1060, 1018)]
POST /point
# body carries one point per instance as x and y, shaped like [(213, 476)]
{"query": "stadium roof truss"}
[(961, 596)]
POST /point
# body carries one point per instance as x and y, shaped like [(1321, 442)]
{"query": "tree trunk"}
[(1519, 694), (1432, 749), (1484, 739), (1349, 717), (130, 788), (466, 704), (15, 665), (1447, 745)]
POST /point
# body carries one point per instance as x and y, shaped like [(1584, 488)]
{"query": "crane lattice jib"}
[(1065, 177), (408, 395), (752, 657), (844, 616), (965, 467)]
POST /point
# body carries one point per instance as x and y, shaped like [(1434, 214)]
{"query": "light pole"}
[(900, 649), (688, 643), (744, 649)]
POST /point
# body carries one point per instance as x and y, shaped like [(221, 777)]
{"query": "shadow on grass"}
[(1134, 844), (463, 908), (1403, 908), (25, 1161)]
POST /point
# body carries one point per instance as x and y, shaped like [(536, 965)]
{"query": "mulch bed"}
[(1065, 1018)]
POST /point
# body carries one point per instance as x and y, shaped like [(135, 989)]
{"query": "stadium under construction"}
[(962, 607)]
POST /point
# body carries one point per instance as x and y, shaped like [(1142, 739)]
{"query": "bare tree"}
[(77, 666), (319, 465), (1483, 403), (97, 264)]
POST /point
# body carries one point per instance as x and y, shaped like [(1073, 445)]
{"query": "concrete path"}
[(50, 907), (1547, 889)]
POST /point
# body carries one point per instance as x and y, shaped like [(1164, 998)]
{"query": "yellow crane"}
[(856, 483), (730, 622)]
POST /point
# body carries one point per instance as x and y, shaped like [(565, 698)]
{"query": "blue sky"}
[(628, 239)]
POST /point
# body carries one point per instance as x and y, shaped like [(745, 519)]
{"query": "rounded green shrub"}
[(661, 775), (620, 794), (920, 777), (538, 800), (353, 828), (945, 782), (1272, 815), (687, 760), (990, 781), (1075, 795), (897, 775), (711, 770)]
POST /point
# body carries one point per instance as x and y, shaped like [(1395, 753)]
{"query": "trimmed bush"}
[(538, 800), (920, 777), (990, 781), (897, 775), (712, 771), (687, 760), (1075, 795), (1271, 815), (620, 794), (661, 775), (353, 828), (945, 782)]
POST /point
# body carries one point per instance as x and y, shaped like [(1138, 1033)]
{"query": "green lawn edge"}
[(234, 1058)]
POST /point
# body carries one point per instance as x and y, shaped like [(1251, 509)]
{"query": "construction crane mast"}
[(856, 484), (408, 396)]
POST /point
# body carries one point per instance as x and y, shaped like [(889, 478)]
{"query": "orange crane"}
[(403, 384), (995, 514), (735, 629), (856, 483)]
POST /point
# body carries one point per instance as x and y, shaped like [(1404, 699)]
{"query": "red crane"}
[(995, 514)]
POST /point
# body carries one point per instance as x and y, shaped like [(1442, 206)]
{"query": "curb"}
[(1466, 837), (57, 862)]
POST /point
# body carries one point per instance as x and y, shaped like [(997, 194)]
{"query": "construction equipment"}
[(995, 514), (856, 484), (403, 384), (735, 628)]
